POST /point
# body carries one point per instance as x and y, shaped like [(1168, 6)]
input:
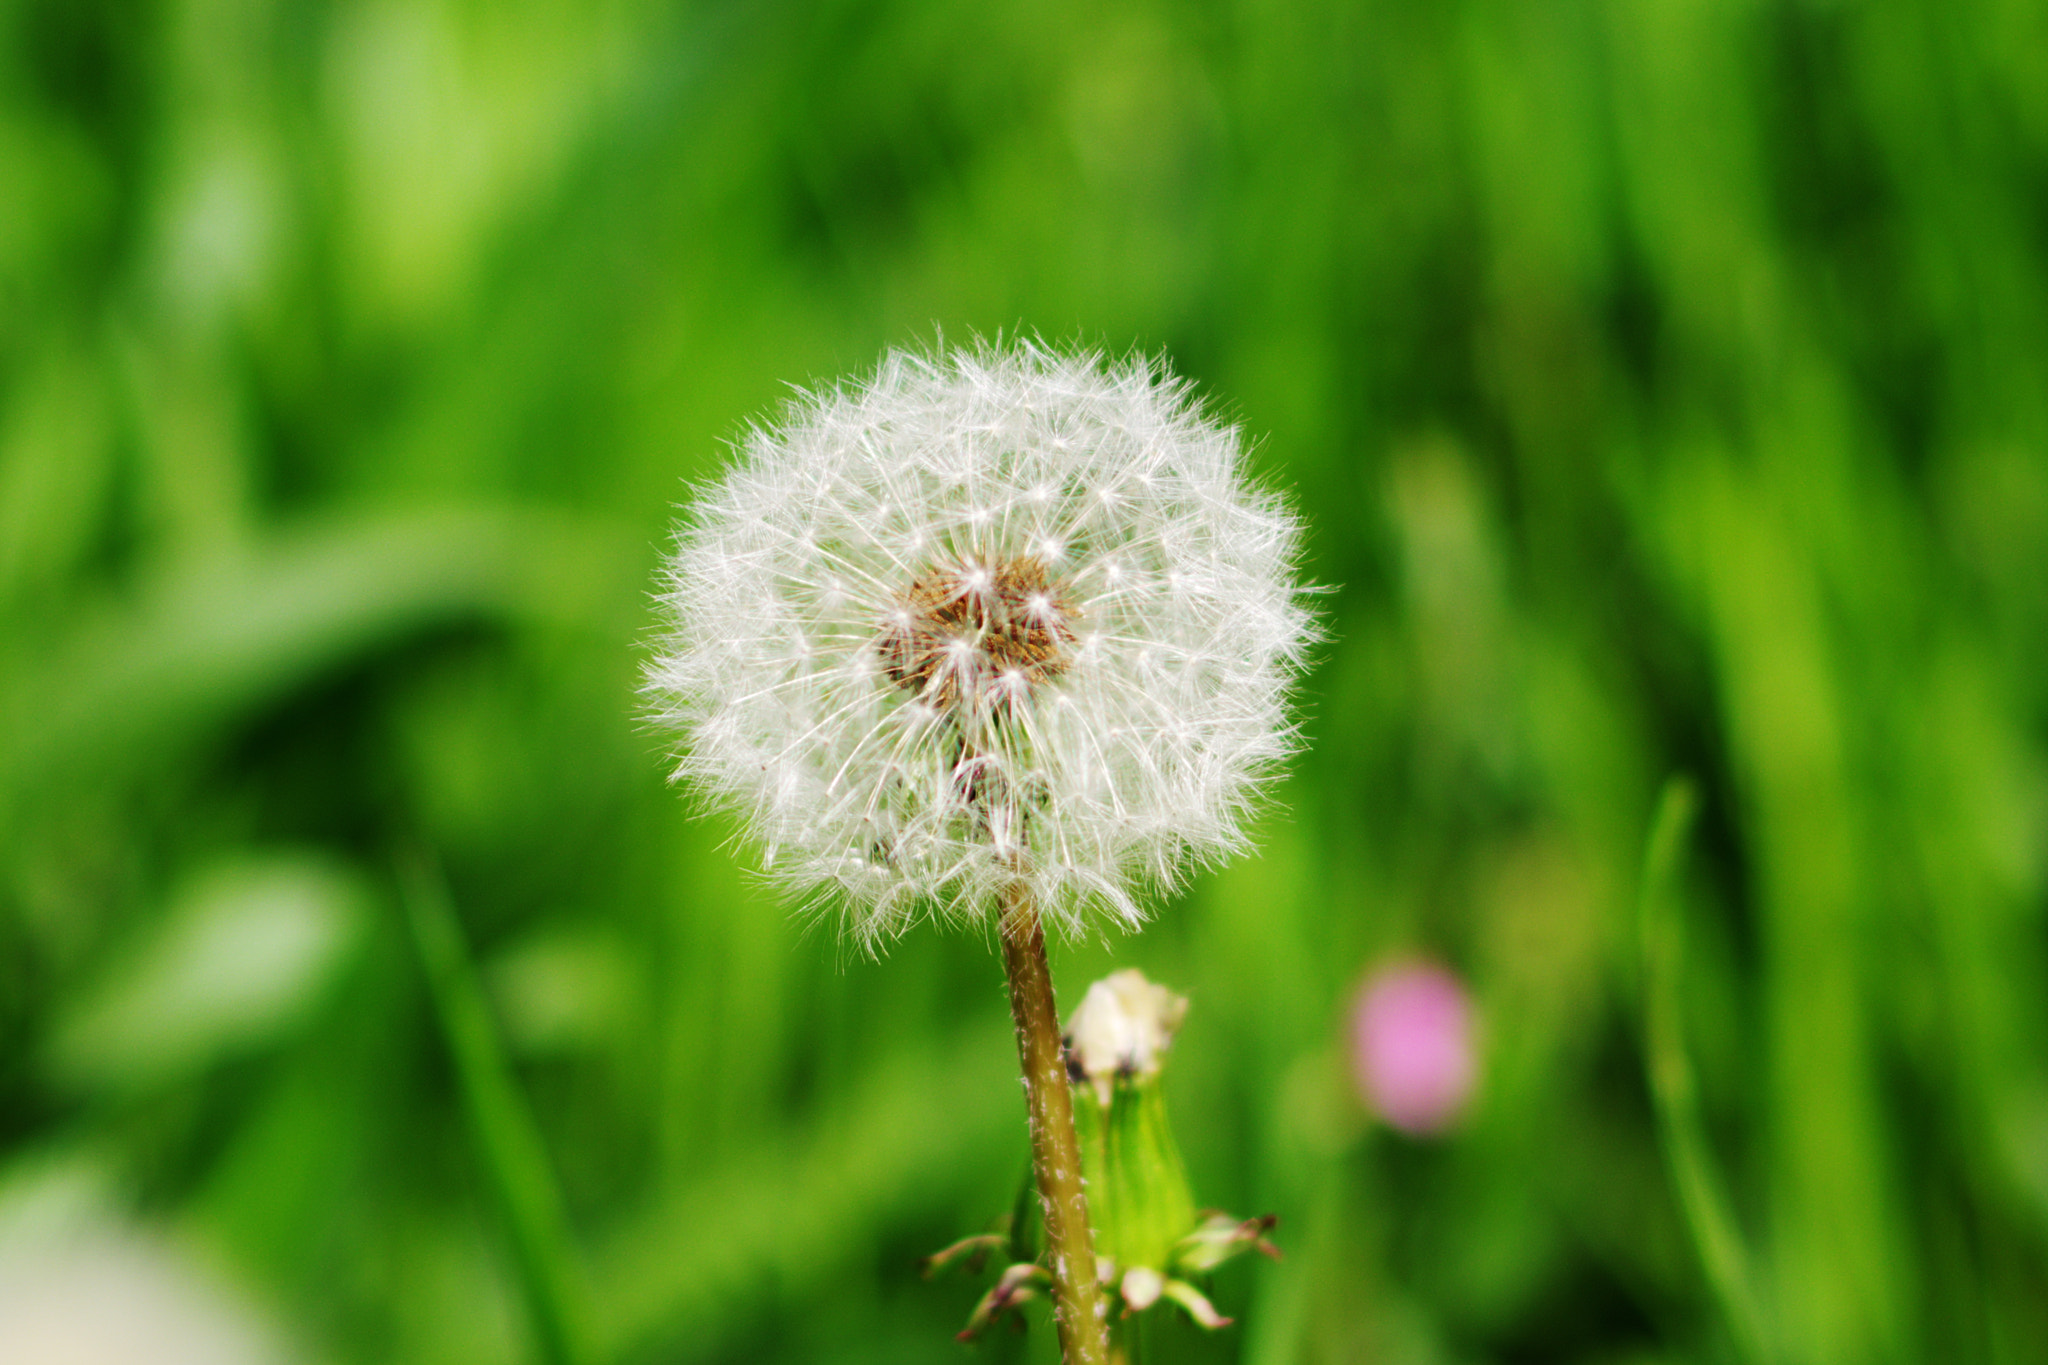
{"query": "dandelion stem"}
[(1055, 1151)]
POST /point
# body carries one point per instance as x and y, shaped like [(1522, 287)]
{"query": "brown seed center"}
[(978, 633)]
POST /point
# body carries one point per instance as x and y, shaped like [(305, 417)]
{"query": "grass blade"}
[(1701, 1195), (507, 1142)]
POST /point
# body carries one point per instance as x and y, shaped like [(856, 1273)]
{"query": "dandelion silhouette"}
[(999, 634)]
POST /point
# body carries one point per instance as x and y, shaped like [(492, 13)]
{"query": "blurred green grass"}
[(1666, 386)]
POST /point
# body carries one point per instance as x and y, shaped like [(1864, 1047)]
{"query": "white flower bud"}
[(1122, 1029)]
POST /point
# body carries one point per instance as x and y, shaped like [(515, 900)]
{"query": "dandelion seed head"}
[(986, 617)]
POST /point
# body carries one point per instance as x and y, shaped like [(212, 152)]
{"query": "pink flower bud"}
[(1412, 1049)]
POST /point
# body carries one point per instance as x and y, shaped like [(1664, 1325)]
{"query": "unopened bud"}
[(1122, 1030), (1150, 1242)]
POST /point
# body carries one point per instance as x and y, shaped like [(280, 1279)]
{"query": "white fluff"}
[(894, 789)]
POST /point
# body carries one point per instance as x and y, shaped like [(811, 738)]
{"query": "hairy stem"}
[(1055, 1152)]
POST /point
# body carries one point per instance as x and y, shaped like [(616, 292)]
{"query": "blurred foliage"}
[(1666, 385)]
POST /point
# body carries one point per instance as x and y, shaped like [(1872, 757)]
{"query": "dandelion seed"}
[(992, 619)]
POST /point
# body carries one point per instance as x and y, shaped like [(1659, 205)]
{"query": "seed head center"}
[(977, 633)]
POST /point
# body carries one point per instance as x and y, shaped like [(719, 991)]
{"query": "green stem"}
[(1055, 1151), (1672, 1086), (508, 1144)]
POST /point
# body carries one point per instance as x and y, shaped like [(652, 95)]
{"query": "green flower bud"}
[(1151, 1240), (1148, 1235), (1138, 1195)]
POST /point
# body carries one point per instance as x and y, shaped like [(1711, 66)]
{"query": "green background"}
[(1665, 387)]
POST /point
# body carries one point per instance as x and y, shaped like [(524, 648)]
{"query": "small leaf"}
[(1141, 1288), (1018, 1285), (1199, 1308), (1221, 1238), (975, 1250)]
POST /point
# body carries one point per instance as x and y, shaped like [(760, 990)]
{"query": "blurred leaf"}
[(205, 645), (235, 963), (565, 991), (789, 1214), (56, 462)]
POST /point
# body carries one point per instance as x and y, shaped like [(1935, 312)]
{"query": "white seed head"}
[(989, 617)]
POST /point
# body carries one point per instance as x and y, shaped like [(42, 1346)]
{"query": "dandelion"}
[(997, 635), (991, 619)]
